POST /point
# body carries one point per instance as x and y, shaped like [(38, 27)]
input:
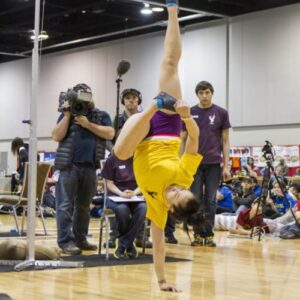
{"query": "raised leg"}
[(134, 131), (137, 126), (169, 79)]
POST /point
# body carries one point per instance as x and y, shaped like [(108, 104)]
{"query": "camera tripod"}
[(268, 154)]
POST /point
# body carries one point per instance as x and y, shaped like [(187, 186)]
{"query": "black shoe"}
[(198, 241), (111, 243), (85, 245), (120, 252), (139, 243), (71, 249), (209, 242), (132, 252), (170, 239)]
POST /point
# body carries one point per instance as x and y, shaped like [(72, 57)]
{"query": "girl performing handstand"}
[(153, 137)]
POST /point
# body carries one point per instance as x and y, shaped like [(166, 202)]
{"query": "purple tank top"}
[(165, 124)]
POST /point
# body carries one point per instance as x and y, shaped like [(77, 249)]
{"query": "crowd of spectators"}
[(243, 207)]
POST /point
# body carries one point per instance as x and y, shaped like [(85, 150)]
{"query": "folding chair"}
[(15, 201)]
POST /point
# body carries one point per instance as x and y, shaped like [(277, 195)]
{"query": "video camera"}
[(79, 98), (268, 151)]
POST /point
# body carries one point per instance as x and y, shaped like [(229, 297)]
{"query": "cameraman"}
[(82, 139)]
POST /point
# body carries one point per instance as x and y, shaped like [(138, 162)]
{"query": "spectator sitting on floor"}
[(49, 202), (277, 202), (294, 191), (279, 170), (248, 219), (284, 167), (225, 222), (247, 197), (292, 230), (224, 199), (256, 187), (96, 207), (250, 168), (130, 216)]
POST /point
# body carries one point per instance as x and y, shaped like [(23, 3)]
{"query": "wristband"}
[(186, 118)]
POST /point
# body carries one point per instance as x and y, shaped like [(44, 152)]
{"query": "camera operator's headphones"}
[(131, 91)]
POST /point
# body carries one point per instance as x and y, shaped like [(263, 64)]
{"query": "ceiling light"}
[(83, 11), (146, 10), (42, 36), (157, 9)]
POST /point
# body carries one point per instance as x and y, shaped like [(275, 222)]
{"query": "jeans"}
[(130, 218), (170, 226), (114, 232), (49, 199), (74, 192), (205, 185)]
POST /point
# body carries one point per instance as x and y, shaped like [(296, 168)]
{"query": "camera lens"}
[(78, 106)]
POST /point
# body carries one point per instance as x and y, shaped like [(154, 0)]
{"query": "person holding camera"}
[(82, 131)]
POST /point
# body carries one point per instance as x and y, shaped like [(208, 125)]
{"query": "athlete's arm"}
[(158, 239), (192, 128)]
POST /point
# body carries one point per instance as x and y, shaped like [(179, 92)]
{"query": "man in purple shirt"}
[(214, 125)]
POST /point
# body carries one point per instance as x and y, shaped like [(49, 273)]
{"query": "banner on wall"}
[(289, 153), (240, 151)]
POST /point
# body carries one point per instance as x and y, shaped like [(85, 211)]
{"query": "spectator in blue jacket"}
[(224, 199), (278, 203)]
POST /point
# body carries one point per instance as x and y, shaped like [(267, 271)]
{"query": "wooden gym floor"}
[(236, 269)]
